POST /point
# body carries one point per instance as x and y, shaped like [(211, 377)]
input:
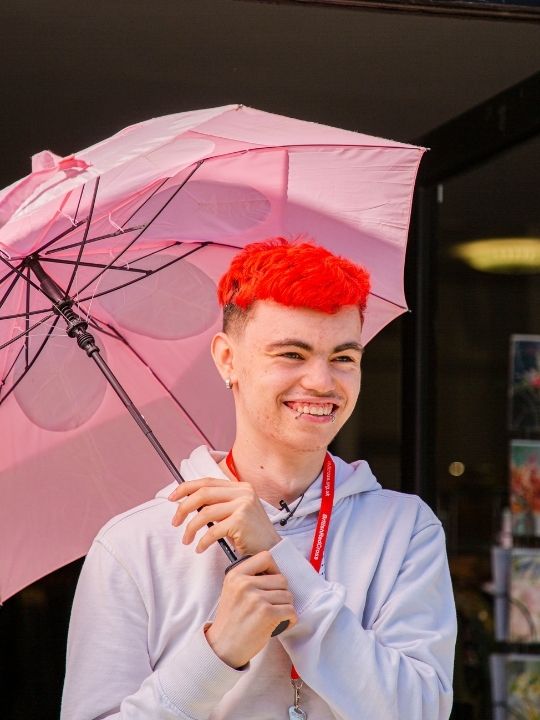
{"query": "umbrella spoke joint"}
[(77, 327)]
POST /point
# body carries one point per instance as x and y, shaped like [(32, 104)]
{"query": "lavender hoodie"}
[(375, 636)]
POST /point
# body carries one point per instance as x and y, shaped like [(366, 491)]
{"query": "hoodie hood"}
[(351, 479)]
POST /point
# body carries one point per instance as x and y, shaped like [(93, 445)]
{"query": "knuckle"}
[(201, 518), (241, 582), (193, 521), (202, 494), (248, 493), (242, 513), (256, 604)]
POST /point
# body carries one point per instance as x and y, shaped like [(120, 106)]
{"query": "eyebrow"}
[(294, 342), (349, 346)]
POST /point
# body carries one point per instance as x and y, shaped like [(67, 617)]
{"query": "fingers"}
[(198, 497), (254, 601), (208, 514), (234, 511), (187, 488), (267, 594), (212, 535), (258, 580)]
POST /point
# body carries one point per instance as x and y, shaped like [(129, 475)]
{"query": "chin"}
[(309, 444)]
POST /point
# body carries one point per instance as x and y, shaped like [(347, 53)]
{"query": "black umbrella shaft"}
[(135, 414), (141, 422)]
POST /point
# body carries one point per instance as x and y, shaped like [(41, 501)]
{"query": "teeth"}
[(312, 409)]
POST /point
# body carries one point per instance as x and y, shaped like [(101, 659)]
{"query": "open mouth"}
[(322, 411)]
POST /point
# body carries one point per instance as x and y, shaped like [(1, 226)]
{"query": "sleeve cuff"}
[(195, 679), (304, 581)]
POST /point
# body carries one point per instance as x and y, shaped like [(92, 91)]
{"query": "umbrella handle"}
[(284, 624)]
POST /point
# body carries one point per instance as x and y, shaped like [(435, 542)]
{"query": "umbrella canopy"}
[(136, 231)]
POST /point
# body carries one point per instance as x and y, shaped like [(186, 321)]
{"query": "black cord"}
[(283, 505)]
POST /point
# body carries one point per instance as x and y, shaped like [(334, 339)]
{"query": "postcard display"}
[(515, 668)]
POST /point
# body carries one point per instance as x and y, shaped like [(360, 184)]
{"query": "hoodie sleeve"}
[(399, 668), (109, 672)]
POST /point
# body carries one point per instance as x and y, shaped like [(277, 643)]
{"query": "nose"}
[(318, 376)]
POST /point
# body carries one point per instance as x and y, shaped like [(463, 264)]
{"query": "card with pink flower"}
[(525, 487)]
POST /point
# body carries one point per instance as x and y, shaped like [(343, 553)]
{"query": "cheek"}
[(352, 385)]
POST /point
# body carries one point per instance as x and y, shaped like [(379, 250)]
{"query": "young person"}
[(359, 573)]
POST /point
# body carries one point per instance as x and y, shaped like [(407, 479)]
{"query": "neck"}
[(276, 475)]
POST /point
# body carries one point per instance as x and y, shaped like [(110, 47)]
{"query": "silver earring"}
[(228, 384)]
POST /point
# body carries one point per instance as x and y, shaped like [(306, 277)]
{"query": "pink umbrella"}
[(127, 240)]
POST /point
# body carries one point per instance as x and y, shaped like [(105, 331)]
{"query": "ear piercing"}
[(228, 383)]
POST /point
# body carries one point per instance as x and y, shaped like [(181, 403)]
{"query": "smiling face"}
[(295, 375)]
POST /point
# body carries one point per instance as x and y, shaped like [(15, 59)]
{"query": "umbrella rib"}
[(122, 231), (27, 320), (161, 249), (138, 279), (83, 263), (85, 236), (25, 332), (161, 184), (120, 267), (6, 276), (12, 388), (20, 273), (8, 291), (116, 233), (75, 226), (391, 302), (197, 166), (3, 380), (163, 385), (79, 203), (23, 314)]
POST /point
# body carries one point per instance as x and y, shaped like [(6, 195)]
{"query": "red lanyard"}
[(323, 521)]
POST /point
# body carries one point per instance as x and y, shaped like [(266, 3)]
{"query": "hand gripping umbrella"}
[(116, 251)]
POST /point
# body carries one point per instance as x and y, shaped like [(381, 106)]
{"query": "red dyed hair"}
[(294, 274)]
